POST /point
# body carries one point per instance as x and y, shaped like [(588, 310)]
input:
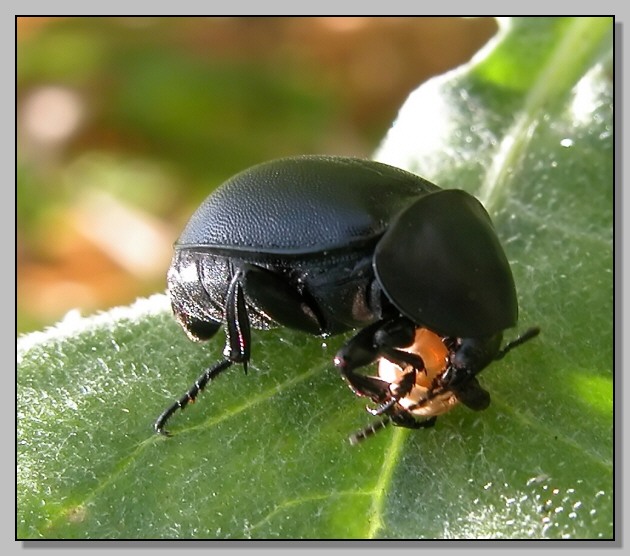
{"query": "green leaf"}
[(526, 126)]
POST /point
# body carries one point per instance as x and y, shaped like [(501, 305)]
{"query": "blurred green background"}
[(124, 125)]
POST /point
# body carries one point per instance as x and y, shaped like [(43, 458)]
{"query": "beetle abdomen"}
[(335, 287)]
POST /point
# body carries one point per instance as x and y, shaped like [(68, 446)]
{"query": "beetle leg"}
[(238, 340), (397, 390), (402, 358), (191, 395), (408, 421), (379, 339), (399, 419), (370, 430), (237, 350), (371, 387), (359, 351), (394, 334)]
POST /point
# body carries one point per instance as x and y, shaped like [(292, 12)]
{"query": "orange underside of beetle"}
[(419, 401)]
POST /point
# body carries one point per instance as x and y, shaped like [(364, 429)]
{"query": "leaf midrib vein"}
[(558, 74), (392, 455)]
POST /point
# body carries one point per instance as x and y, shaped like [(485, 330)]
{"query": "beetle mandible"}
[(326, 244)]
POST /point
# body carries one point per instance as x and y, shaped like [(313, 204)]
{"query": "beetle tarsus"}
[(398, 419), (190, 396), (384, 408), (370, 430)]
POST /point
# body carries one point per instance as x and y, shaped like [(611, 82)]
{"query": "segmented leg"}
[(380, 339), (191, 395), (401, 419), (237, 350)]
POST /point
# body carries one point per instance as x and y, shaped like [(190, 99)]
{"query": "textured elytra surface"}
[(266, 456), (302, 205)]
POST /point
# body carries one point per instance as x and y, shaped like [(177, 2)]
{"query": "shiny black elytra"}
[(328, 244)]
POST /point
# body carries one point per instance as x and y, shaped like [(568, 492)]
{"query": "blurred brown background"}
[(125, 124)]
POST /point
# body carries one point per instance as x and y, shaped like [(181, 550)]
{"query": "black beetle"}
[(327, 244)]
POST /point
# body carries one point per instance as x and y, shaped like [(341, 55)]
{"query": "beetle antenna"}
[(526, 336), (370, 430)]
